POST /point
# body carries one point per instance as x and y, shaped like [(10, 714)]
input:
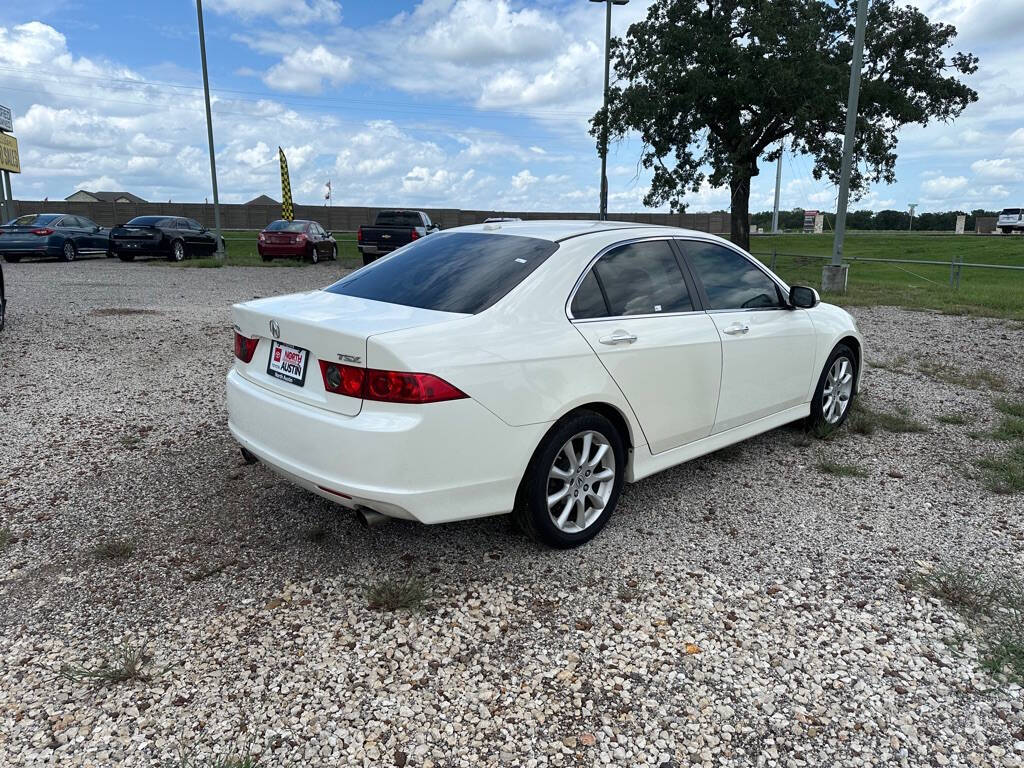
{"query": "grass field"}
[(989, 292)]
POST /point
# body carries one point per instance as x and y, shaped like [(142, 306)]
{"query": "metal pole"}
[(209, 131), (778, 188), (4, 213), (10, 195), (851, 130), (604, 130)]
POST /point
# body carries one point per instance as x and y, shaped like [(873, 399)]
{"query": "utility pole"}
[(834, 276), (911, 206), (209, 132), (603, 215), (778, 188)]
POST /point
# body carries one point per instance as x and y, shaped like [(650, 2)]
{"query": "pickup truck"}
[(391, 230)]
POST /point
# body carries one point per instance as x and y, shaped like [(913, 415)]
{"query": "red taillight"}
[(386, 386), (44, 231), (300, 238), (359, 235), (415, 235), (245, 347), (263, 237)]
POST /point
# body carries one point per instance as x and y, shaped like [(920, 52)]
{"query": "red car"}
[(297, 239)]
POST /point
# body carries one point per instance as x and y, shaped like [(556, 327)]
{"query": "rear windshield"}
[(399, 219), (449, 272), (34, 220), (1011, 211), (286, 226), (147, 221)]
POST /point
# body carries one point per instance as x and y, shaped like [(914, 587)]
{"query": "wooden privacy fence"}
[(339, 218)]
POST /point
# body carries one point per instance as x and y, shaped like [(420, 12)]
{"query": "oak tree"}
[(713, 86)]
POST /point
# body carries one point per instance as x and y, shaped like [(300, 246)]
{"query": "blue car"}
[(53, 235)]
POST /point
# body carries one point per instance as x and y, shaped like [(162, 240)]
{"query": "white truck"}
[(1011, 219)]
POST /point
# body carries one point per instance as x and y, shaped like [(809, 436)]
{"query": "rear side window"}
[(730, 280), (399, 219), (634, 279), (462, 272)]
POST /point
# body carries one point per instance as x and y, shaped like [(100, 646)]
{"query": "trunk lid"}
[(328, 327)]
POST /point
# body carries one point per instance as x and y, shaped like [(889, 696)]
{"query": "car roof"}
[(557, 230)]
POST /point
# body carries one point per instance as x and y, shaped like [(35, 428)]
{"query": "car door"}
[(72, 229), (316, 234), (639, 313), (95, 239), (767, 348)]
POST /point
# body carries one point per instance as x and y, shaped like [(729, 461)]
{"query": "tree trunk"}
[(739, 224)]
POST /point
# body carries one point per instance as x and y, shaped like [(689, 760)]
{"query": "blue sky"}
[(461, 103)]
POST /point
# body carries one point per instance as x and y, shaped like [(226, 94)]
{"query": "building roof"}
[(110, 197), (263, 200)]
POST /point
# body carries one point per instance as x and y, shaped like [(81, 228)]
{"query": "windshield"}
[(399, 219), (286, 226), (34, 220), (148, 221), (463, 272)]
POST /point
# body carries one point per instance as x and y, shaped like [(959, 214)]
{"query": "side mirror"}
[(803, 297), (96, 229)]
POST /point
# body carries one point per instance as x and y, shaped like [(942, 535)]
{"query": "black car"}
[(54, 235), (172, 237)]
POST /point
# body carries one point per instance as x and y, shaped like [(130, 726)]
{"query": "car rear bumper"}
[(39, 248), (284, 251), (137, 248), (432, 463), (373, 250)]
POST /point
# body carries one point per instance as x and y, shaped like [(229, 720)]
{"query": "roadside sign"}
[(9, 160), (6, 119), (810, 221), (961, 221)]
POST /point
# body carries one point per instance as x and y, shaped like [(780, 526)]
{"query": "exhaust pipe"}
[(369, 518)]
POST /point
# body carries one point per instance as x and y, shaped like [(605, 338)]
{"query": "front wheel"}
[(334, 253), (314, 255), (834, 395), (177, 251), (572, 483), (68, 252)]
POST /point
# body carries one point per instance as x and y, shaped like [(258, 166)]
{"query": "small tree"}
[(719, 83)]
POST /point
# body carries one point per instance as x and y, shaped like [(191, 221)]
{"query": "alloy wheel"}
[(835, 397), (179, 251), (69, 251), (580, 481)]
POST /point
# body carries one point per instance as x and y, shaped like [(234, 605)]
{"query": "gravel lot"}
[(743, 609)]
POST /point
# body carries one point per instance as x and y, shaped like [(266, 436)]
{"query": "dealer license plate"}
[(287, 363)]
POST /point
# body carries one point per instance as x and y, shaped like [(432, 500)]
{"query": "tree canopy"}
[(717, 84)]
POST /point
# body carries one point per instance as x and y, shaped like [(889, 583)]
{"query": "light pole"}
[(604, 129), (209, 132), (833, 277), (778, 188), (911, 206)]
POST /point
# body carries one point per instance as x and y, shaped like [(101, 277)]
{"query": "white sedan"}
[(531, 368)]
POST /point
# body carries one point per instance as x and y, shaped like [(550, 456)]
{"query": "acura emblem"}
[(275, 329)]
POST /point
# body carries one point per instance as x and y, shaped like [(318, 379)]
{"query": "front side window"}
[(463, 272), (730, 280), (634, 279), (87, 223), (71, 222)]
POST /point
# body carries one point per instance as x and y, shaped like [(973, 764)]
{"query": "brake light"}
[(359, 235), (415, 235), (263, 237), (44, 231), (245, 347), (387, 386), (300, 238)]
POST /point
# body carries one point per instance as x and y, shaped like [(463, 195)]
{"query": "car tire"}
[(836, 391), (367, 259), (334, 253), (177, 251), (68, 252), (564, 502), (314, 255), (248, 456), (266, 258), (126, 256), (12, 259)]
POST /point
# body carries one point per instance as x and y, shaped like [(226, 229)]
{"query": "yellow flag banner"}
[(286, 189)]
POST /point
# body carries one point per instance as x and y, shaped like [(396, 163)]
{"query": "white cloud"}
[(523, 179), (285, 12), (943, 187), (1002, 169), (307, 70)]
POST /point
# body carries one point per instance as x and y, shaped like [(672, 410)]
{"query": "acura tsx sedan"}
[(531, 368)]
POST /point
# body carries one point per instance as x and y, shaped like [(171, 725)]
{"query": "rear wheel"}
[(126, 256), (835, 393), (68, 251), (572, 483), (367, 259), (265, 257), (177, 251), (249, 456)]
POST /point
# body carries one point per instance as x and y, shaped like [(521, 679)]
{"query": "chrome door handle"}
[(736, 329), (618, 337)]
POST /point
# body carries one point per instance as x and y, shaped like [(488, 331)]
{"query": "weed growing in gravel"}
[(965, 589), (126, 662), (953, 419), (829, 467), (397, 594), (114, 549), (1004, 474), (187, 759), (864, 420), (1010, 407), (5, 538), (1006, 654), (980, 379), (895, 365)]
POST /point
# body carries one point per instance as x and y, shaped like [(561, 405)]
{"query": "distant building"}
[(263, 200), (85, 196)]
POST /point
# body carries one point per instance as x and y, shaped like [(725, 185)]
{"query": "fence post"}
[(772, 266)]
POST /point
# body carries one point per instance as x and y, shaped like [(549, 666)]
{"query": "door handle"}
[(737, 329), (618, 337)]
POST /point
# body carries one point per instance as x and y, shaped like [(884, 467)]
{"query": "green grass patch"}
[(1004, 474), (953, 419), (124, 663), (397, 594), (6, 537), (949, 374), (829, 467), (117, 550), (864, 420), (1014, 408), (982, 292)]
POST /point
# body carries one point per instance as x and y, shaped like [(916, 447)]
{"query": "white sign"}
[(819, 223), (6, 119), (961, 222)]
